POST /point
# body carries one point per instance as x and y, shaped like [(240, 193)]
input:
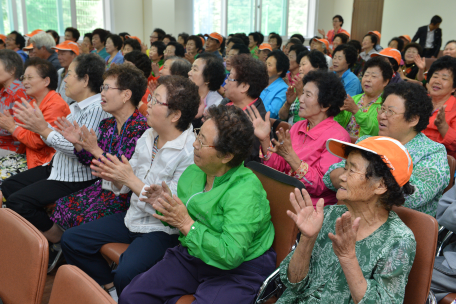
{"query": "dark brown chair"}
[(425, 229), (429, 62), (73, 286), (353, 139), (276, 124), (448, 299), (452, 164), (24, 255)]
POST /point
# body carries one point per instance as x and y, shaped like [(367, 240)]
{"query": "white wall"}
[(328, 9), (395, 21), (184, 17), (127, 16)]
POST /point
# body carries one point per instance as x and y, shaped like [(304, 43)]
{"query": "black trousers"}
[(428, 53), (28, 192)]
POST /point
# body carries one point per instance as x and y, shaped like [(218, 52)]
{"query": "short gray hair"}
[(180, 66), (43, 39)]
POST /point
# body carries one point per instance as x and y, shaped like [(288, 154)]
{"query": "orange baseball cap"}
[(34, 33), (265, 46), (134, 37), (406, 37), (28, 48), (391, 151), (202, 40), (345, 33), (376, 33), (326, 42), (3, 37), (215, 36), (390, 53), (67, 46)]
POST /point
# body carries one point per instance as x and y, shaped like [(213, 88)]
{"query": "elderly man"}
[(42, 48), (67, 51), (213, 43), (321, 45)]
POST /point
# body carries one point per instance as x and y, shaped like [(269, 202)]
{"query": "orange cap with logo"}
[(326, 42), (28, 48), (390, 150), (67, 46), (390, 53), (133, 37), (376, 33), (406, 37), (215, 36), (265, 46), (34, 33)]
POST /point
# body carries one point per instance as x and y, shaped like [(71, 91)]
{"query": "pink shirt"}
[(311, 148)]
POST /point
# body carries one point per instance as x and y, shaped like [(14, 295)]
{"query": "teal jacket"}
[(367, 121), (232, 220)]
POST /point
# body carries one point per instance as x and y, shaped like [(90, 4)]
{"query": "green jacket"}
[(367, 121), (252, 51), (232, 220)]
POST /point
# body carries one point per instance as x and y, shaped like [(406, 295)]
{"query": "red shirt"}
[(449, 141), (249, 105), (8, 96)]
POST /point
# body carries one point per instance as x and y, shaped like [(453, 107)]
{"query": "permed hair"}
[(214, 70), (417, 103), (282, 62), (331, 91), (92, 66), (443, 63), (12, 62), (252, 72), (140, 60), (131, 78), (183, 96), (385, 67), (351, 55), (234, 133)]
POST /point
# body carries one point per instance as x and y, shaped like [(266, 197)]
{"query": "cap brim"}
[(337, 147)]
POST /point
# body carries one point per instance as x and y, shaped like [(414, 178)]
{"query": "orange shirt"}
[(37, 152), (145, 99), (449, 141)]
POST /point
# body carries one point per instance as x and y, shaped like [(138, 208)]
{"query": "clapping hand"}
[(282, 146), (308, 219), (420, 62), (69, 131), (262, 127), (344, 241), (7, 121), (31, 116), (322, 32), (349, 105), (112, 169), (291, 95), (154, 192), (174, 212), (440, 122), (155, 69)]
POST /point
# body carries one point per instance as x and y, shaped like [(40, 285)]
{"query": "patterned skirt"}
[(11, 165)]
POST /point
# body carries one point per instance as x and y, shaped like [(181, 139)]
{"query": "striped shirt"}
[(65, 164)]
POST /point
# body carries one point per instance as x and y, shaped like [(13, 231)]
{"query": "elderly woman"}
[(409, 70), (67, 51), (40, 81), (337, 22), (11, 69), (339, 39), (344, 57), (404, 114), (224, 221), (293, 71), (161, 156), (301, 152), (143, 63), (114, 48), (450, 49), (24, 192), (176, 66), (442, 85), (208, 73), (116, 135), (368, 46), (274, 95), (357, 250), (396, 43), (359, 113), (156, 55), (308, 61), (130, 45), (193, 48), (98, 42)]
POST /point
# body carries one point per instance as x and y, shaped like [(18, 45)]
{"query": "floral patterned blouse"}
[(94, 202), (353, 126), (430, 176), (385, 257)]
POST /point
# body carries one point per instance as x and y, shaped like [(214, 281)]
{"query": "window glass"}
[(273, 16), (241, 16), (89, 15), (297, 17), (207, 16)]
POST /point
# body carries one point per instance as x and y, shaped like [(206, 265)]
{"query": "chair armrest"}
[(263, 295), (444, 242), (431, 298)]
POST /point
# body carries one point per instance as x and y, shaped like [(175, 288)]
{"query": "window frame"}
[(311, 18), (15, 23)]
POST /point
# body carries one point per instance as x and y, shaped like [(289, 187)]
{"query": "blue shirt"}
[(23, 55), (274, 96), (216, 53), (118, 59), (351, 83)]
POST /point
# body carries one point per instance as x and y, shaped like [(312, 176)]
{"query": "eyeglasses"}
[(154, 101), (24, 78), (106, 87), (198, 139), (388, 112), (230, 79)]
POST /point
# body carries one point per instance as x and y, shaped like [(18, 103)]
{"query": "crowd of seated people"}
[(146, 144)]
